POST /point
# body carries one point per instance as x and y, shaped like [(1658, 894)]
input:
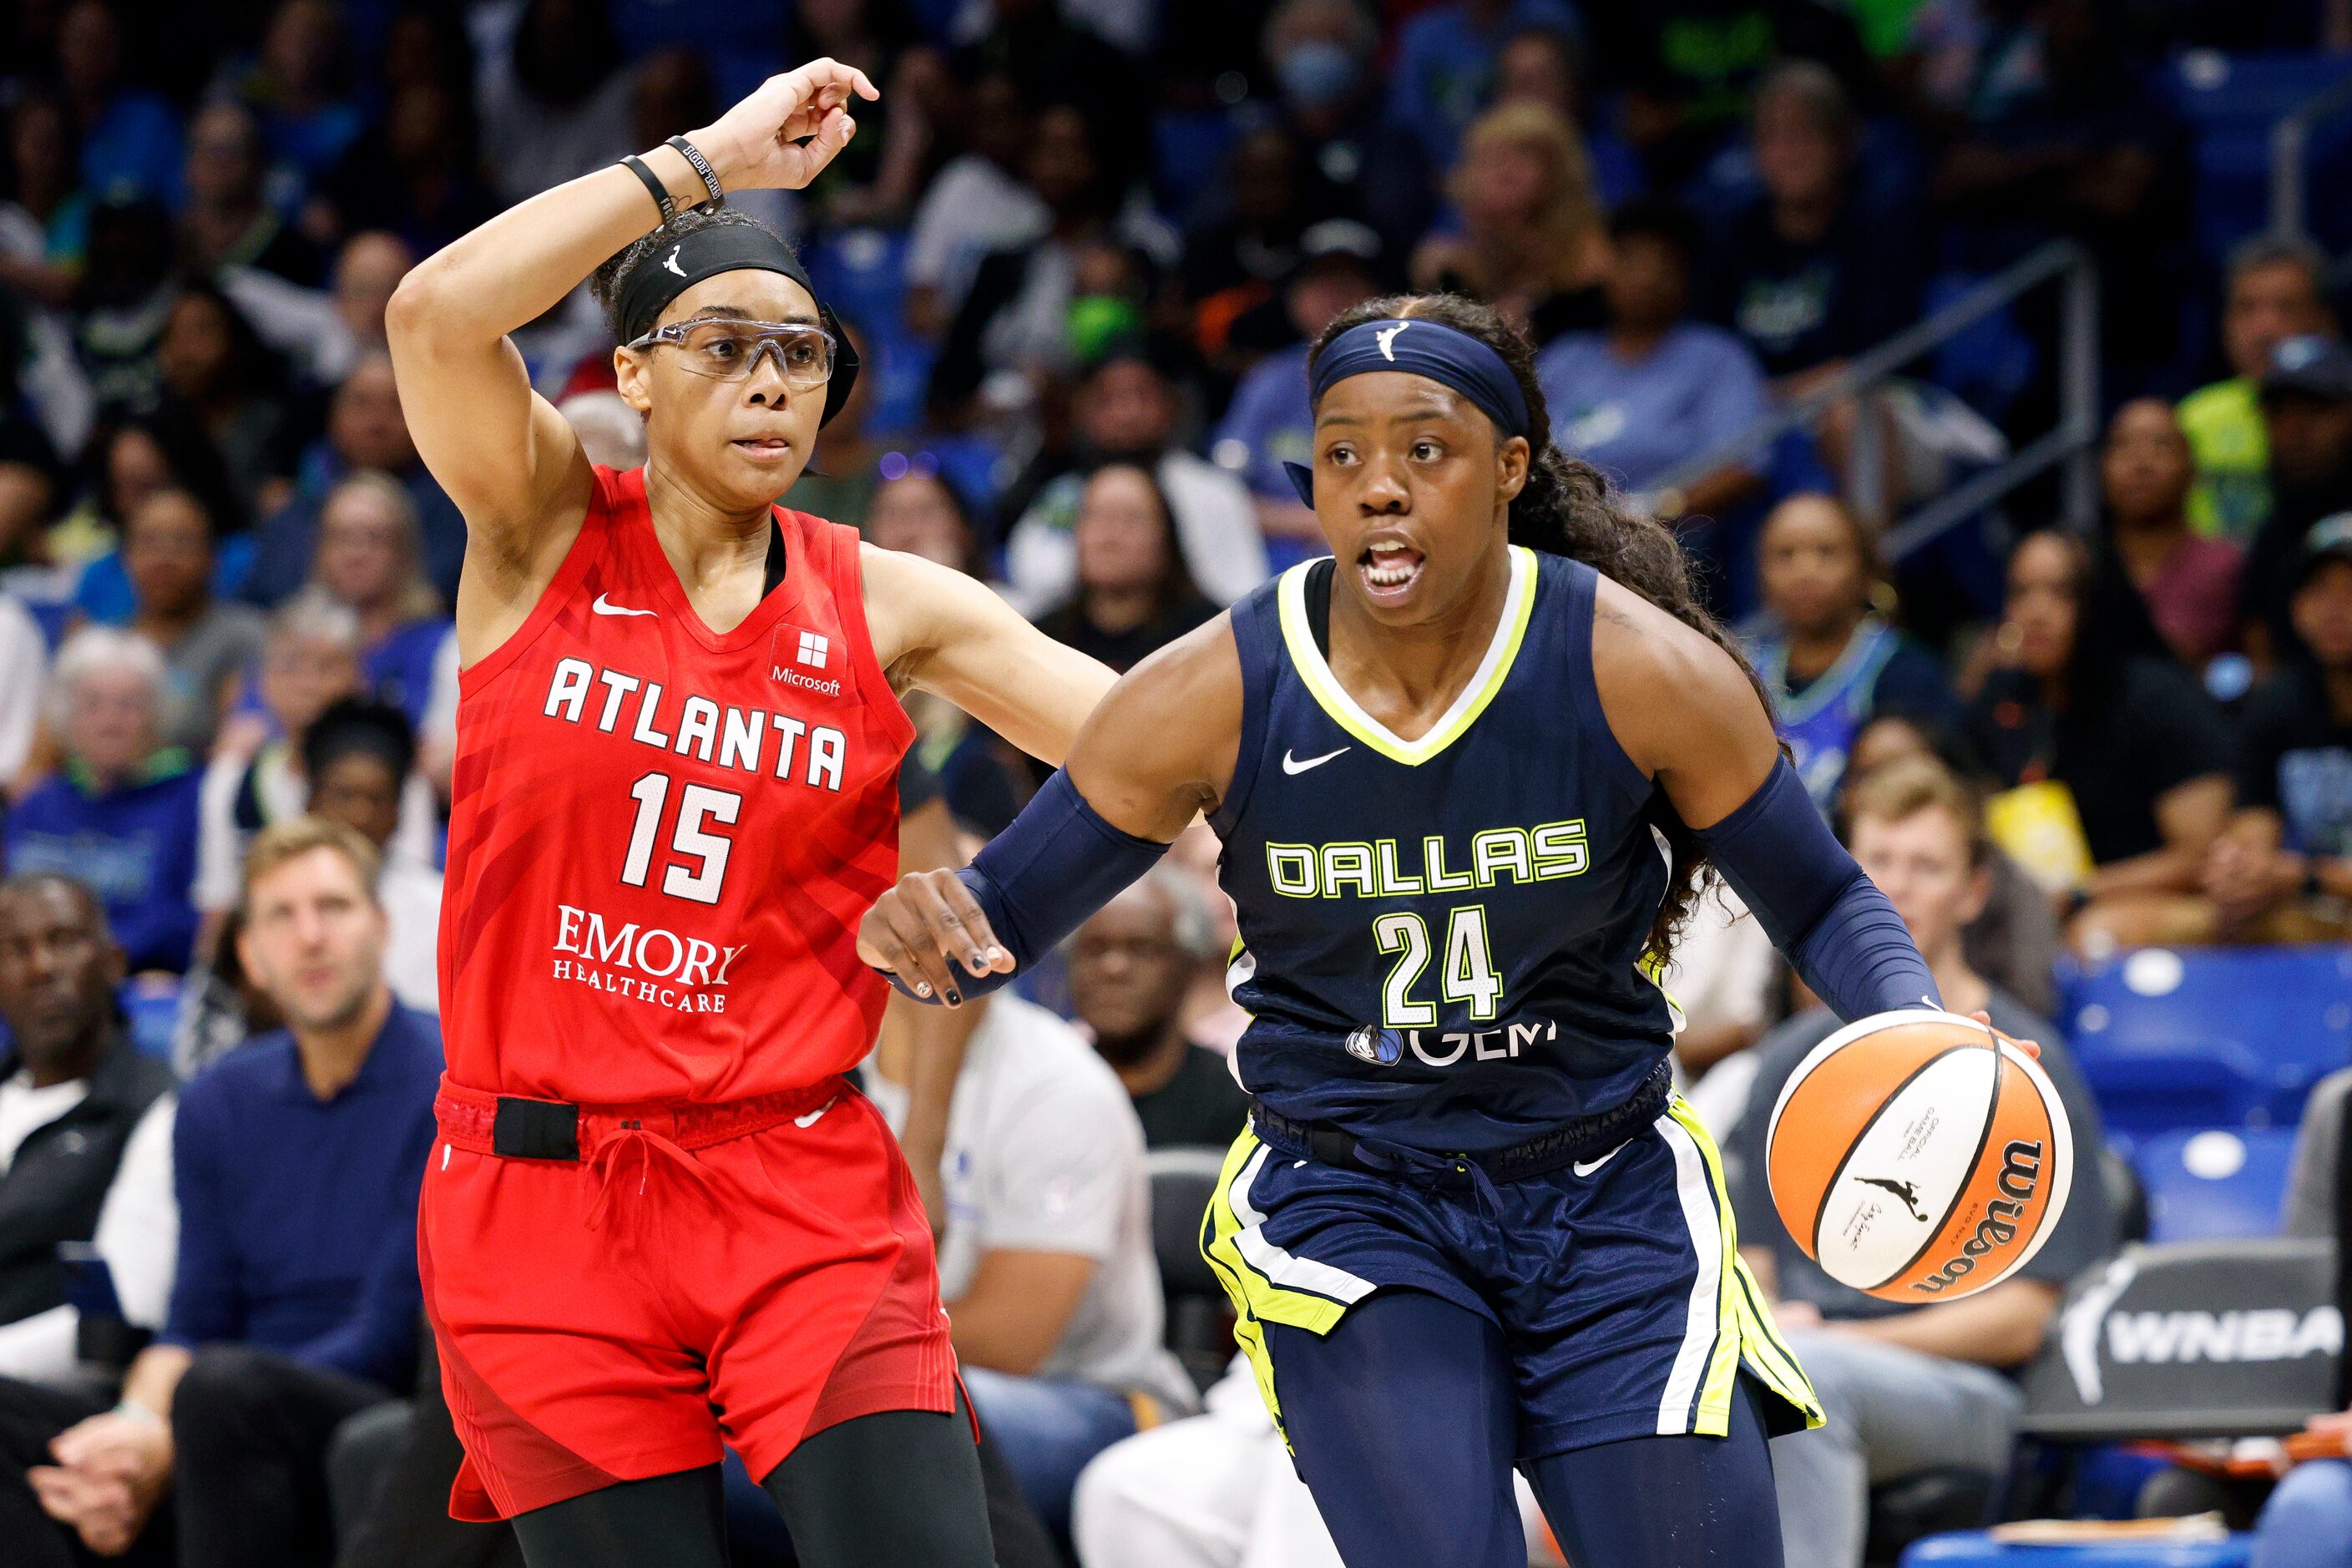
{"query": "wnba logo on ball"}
[(2021, 1177)]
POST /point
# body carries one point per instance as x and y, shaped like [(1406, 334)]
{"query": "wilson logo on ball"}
[(1917, 1154)]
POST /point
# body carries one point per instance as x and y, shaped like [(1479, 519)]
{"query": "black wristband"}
[(653, 187), (693, 155)]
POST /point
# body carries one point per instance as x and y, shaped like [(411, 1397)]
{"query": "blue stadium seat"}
[(1977, 1549), (152, 1004), (743, 42), (1188, 151), (862, 274), (2202, 1038), (2231, 102), (2220, 1182)]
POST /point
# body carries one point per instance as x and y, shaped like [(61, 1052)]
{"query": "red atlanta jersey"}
[(662, 838)]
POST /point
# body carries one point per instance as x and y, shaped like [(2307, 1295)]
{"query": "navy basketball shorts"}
[(1616, 1281)]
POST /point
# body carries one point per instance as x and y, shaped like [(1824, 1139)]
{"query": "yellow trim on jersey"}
[(1518, 605), (1652, 968), (1257, 1300), (1746, 1332)]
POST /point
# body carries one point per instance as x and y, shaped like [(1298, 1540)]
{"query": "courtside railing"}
[(2291, 157), (2068, 446)]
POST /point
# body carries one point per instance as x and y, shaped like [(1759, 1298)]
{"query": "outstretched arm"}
[(1159, 751), (505, 456), (936, 629), (1714, 753)]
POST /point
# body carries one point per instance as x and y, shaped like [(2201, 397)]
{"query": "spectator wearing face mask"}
[(1127, 411), (121, 816), (1131, 969), (1324, 54), (1447, 64)]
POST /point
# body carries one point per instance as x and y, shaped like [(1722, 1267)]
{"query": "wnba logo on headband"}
[(1445, 355)]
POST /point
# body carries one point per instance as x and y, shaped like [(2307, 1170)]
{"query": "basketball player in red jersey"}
[(658, 1216)]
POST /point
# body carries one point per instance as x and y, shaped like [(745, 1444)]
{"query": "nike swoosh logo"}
[(1291, 765), (1586, 1167), (604, 606), (810, 1120)]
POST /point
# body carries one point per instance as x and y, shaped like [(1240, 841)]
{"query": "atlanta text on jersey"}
[(696, 726)]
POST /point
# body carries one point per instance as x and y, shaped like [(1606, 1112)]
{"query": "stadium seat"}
[(2215, 1037), (1926, 1503), (1181, 1181), (2220, 1182), (1977, 1549), (152, 1004), (2232, 103)]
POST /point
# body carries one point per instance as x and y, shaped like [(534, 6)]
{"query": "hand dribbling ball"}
[(1919, 1157)]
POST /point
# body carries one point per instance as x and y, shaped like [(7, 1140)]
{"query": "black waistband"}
[(1585, 1138)]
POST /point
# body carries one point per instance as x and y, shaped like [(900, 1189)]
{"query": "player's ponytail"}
[(1568, 509)]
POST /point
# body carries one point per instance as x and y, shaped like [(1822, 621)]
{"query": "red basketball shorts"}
[(749, 1273)]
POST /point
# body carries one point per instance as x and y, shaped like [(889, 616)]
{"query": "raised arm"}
[(1157, 752), (505, 456), (1712, 752), (938, 630)]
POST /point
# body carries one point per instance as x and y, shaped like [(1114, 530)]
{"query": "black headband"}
[(667, 271), (1419, 347)]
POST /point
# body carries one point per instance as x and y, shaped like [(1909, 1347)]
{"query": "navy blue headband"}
[(1418, 347)]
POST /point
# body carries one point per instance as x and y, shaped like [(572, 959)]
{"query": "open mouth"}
[(764, 447), (1389, 570)]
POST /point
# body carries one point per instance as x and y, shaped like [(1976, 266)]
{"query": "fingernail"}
[(954, 998), (994, 953), (922, 988)]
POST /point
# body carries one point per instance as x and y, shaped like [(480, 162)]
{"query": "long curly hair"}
[(1567, 510)]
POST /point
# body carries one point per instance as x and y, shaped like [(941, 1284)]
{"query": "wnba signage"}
[(2204, 1339)]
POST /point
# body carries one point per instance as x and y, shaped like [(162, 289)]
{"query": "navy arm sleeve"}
[(1835, 926), (1055, 864)]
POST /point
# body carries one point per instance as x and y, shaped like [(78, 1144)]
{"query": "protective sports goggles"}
[(726, 350)]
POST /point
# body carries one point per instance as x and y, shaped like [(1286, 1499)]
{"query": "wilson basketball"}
[(1918, 1157)]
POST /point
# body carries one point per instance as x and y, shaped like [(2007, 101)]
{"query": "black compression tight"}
[(900, 1488)]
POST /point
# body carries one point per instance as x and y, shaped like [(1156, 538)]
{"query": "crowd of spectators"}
[(1083, 246)]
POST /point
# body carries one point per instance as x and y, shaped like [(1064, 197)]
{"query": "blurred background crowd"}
[(2055, 604)]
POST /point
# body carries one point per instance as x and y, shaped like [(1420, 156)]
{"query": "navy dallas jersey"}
[(1441, 939)]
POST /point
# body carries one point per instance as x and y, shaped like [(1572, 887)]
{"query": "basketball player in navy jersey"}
[(1467, 774)]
